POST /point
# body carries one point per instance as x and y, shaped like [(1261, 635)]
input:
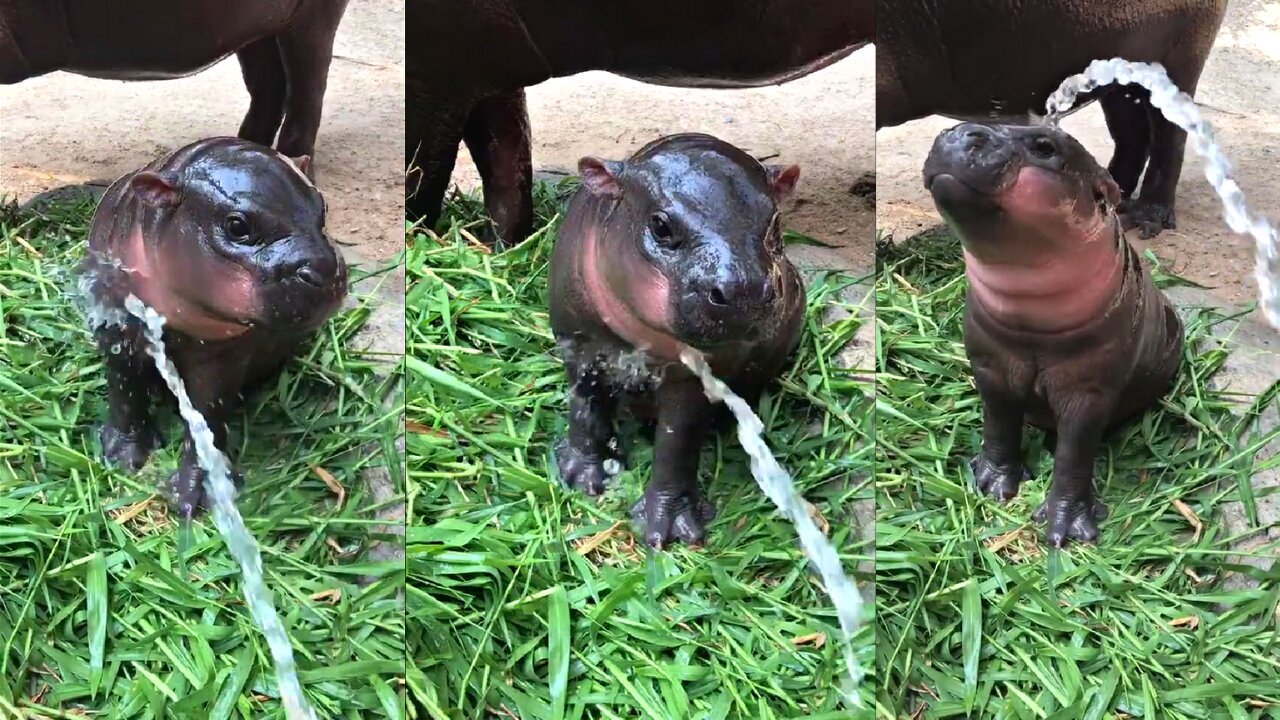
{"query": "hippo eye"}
[(237, 227), (1043, 147), (661, 229)]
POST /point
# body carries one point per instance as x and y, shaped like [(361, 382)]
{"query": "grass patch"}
[(530, 601), (96, 617), (976, 619)]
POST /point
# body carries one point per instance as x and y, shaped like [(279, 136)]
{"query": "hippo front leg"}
[(582, 455), (998, 469), (264, 77), (1072, 508), (307, 51), (497, 135), (434, 126), (213, 388), (672, 506), (129, 436)]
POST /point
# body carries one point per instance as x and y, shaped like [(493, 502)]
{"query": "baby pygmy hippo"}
[(226, 240), (679, 245), (1063, 327)]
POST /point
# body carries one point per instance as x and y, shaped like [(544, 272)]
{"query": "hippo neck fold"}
[(631, 298), (1058, 293)]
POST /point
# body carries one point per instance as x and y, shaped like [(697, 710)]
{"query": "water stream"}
[(1179, 109), (776, 483), (219, 487)]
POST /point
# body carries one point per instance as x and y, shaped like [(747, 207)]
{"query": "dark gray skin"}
[(679, 245), (1002, 59), (702, 44), (226, 240), (284, 48), (1063, 327)]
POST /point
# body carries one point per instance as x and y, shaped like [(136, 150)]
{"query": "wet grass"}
[(527, 600), (976, 619), (97, 616)]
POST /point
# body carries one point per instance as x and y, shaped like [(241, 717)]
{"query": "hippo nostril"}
[(310, 276), (717, 297), (767, 293)]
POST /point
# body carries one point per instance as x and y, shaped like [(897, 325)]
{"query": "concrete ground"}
[(61, 129), (1239, 94)]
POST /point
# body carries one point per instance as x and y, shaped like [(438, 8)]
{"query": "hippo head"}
[(1014, 193), (692, 239), (229, 235)]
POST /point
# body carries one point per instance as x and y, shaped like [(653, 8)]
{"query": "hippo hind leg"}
[(129, 435), (306, 50), (263, 71), (1129, 123), (581, 456)]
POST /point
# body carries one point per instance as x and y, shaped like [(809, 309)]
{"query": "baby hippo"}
[(678, 246), (226, 240), (1063, 327)]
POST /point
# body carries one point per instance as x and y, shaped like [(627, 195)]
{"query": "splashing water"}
[(218, 485), (777, 485), (1179, 109)]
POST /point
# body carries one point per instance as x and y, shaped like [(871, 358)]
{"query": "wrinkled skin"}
[(284, 48), (1063, 327), (226, 240), (706, 43), (679, 245), (1002, 59)]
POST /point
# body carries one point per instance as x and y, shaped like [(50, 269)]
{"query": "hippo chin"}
[(678, 246), (1003, 58), (719, 44), (284, 48), (1063, 327), (226, 240)]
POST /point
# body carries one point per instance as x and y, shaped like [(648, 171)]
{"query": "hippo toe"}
[(666, 517), (581, 470), (186, 488), (999, 482), (1074, 519), (129, 449)]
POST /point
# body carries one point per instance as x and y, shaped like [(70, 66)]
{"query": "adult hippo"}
[(470, 60), (284, 48), (1003, 58)]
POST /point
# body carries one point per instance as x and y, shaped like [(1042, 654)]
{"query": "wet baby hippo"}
[(226, 240), (678, 246), (1063, 327)]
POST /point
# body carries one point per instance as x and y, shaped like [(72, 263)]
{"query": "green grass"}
[(527, 600), (976, 619), (96, 617)]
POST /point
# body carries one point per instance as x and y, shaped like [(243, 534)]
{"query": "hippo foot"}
[(186, 488), (1150, 218), (582, 470), (1071, 520), (129, 450), (666, 517), (1000, 483)]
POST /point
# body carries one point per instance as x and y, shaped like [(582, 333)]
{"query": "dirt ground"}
[(61, 128), (1239, 94), (824, 123)]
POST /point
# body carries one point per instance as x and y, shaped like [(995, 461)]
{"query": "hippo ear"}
[(782, 178), (1107, 191), (156, 189), (302, 162), (600, 177)]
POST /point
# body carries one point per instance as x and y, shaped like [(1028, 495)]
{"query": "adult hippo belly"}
[(284, 48), (470, 60), (1002, 59)]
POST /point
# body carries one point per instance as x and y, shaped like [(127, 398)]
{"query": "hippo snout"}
[(729, 293), (979, 157)]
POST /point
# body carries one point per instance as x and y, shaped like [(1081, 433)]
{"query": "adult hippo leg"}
[(1128, 117), (998, 469), (213, 381), (581, 455), (672, 506), (497, 135), (264, 77), (431, 148), (1072, 509), (306, 49), (129, 436)]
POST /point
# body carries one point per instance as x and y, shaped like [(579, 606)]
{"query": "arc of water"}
[(776, 483), (1181, 110)]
